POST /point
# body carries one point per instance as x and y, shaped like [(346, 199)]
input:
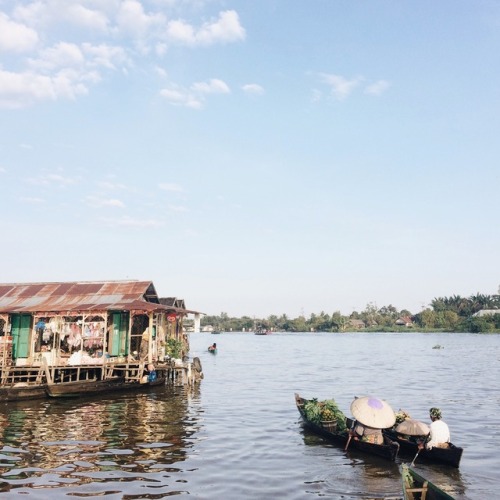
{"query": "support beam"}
[(197, 322)]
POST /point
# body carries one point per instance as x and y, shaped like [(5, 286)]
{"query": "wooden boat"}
[(19, 383), (86, 380), (416, 487), (409, 447), (263, 332), (388, 450), (22, 392), (89, 387)]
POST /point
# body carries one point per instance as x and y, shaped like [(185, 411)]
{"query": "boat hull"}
[(449, 456), (90, 387), (23, 393)]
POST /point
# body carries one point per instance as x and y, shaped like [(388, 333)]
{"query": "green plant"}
[(312, 410), (173, 348), (316, 411)]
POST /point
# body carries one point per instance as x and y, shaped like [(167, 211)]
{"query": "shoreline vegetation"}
[(476, 314)]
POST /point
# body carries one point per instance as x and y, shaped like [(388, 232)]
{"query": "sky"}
[(255, 158)]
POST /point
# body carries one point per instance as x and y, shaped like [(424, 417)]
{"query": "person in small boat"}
[(361, 432), (151, 372), (213, 347), (440, 433)]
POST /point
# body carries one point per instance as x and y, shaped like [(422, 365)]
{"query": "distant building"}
[(356, 324), (404, 321), (486, 312)]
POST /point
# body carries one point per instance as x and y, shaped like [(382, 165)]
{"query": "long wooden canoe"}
[(409, 447), (90, 387), (77, 381), (387, 450), (416, 487)]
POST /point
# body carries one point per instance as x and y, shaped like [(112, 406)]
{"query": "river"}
[(238, 434)]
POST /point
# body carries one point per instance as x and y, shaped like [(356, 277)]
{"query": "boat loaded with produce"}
[(327, 420)]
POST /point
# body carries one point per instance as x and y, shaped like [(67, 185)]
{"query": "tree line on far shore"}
[(476, 314)]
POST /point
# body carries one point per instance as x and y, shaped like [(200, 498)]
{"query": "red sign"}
[(171, 317)]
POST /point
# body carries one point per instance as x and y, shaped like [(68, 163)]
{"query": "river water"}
[(238, 434)]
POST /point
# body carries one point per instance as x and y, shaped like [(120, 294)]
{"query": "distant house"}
[(404, 321), (356, 324), (486, 312)]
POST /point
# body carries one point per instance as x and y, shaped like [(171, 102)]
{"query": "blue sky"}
[(253, 157)]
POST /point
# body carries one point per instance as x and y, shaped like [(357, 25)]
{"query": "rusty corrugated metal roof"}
[(84, 296)]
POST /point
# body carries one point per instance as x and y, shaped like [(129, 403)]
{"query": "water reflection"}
[(87, 440)]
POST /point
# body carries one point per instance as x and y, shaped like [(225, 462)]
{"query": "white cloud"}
[(52, 179), (112, 186), (49, 13), (96, 202), (170, 186), (107, 56), (177, 208), (181, 97), (64, 70), (60, 55), (16, 37), (341, 87), (134, 222), (195, 96), (32, 201), (214, 86), (20, 89), (377, 88), (253, 88), (162, 73), (132, 18), (71, 43), (81, 16), (226, 28)]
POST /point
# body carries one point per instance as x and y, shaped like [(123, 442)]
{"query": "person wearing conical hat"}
[(439, 435)]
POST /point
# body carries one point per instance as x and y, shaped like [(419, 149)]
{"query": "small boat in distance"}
[(262, 331), (416, 487)]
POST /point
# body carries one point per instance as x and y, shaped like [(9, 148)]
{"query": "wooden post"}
[(150, 340)]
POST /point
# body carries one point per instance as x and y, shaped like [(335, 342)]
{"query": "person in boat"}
[(440, 433), (151, 373), (361, 432), (213, 347)]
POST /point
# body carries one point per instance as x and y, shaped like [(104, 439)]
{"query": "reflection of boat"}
[(86, 380), (409, 445), (387, 450), (416, 487)]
